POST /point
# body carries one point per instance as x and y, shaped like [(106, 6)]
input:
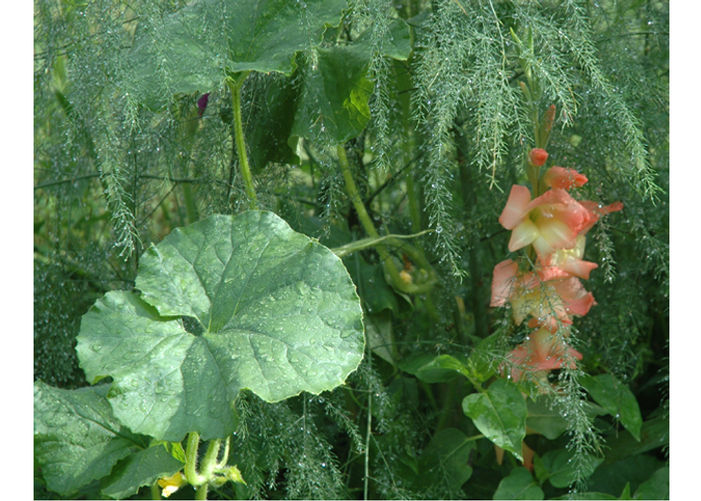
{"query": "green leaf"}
[(499, 414), (519, 485), (446, 459), (378, 331), (275, 103), (586, 495), (625, 494), (562, 471), (76, 437), (481, 360), (654, 434), (269, 310), (433, 368), (399, 46), (335, 96), (633, 470), (377, 294), (397, 42), (197, 45), (143, 468), (543, 420), (617, 399), (656, 487)]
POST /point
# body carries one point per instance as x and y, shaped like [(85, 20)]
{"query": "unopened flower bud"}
[(202, 104), (537, 156)]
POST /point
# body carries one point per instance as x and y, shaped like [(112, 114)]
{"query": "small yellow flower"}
[(171, 484)]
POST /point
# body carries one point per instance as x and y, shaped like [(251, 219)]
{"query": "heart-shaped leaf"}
[(264, 308)]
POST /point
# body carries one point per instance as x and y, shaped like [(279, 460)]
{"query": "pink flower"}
[(553, 304), (564, 263), (543, 351), (503, 282), (559, 177), (537, 156), (550, 222), (550, 304), (596, 210)]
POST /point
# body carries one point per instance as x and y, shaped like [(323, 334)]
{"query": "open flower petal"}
[(516, 207), (503, 282)]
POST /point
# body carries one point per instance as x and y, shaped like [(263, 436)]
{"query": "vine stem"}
[(369, 227), (155, 491), (200, 481), (235, 88), (193, 443), (362, 212)]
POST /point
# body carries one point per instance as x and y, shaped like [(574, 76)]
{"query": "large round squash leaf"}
[(194, 48), (228, 303)]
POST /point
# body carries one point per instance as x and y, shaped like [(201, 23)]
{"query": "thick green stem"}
[(209, 461), (155, 491), (201, 480), (201, 492), (190, 206), (193, 443), (239, 139)]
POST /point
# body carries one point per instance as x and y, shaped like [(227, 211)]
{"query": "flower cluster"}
[(550, 294)]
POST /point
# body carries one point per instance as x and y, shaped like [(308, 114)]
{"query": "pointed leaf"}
[(271, 311), (656, 487), (446, 458), (519, 485), (433, 368), (541, 419), (500, 414), (617, 399), (76, 437), (562, 471)]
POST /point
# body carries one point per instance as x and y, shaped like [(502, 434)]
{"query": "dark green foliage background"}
[(448, 128)]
